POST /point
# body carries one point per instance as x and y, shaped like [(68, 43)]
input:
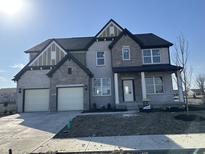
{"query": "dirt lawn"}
[(135, 124)]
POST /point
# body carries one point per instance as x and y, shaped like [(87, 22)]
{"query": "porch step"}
[(132, 106)]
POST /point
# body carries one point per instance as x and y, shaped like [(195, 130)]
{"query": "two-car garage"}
[(68, 98)]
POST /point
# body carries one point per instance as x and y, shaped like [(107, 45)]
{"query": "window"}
[(126, 53), (69, 70), (53, 57), (100, 58), (112, 30), (102, 87), (151, 56), (154, 85)]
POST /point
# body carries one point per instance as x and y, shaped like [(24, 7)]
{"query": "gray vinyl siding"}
[(100, 71)]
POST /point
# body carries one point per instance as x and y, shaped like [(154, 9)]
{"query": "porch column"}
[(144, 91), (116, 88), (179, 85)]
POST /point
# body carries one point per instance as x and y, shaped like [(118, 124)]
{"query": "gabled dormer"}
[(111, 29)]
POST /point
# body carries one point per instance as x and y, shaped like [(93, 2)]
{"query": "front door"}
[(128, 90)]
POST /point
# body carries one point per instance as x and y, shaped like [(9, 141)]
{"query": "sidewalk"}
[(140, 142)]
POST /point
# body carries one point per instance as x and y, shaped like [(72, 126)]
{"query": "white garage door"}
[(70, 98), (36, 100)]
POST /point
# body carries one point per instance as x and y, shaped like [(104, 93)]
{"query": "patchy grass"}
[(138, 124)]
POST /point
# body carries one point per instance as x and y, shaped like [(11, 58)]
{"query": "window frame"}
[(151, 56), (53, 56), (100, 58), (112, 30), (154, 84), (101, 86), (125, 47)]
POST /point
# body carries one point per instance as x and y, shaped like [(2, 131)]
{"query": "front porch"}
[(134, 88)]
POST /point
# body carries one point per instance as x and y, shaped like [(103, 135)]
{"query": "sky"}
[(38, 20)]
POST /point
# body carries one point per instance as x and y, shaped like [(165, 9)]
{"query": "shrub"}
[(94, 106), (109, 106)]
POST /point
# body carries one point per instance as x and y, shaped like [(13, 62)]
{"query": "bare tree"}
[(200, 81), (181, 59)]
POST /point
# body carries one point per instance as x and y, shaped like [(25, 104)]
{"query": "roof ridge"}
[(73, 37)]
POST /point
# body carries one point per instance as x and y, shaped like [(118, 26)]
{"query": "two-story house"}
[(113, 68)]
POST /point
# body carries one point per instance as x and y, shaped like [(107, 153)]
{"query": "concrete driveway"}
[(25, 132)]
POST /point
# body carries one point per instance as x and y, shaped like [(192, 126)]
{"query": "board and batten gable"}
[(104, 71), (51, 55), (110, 30)]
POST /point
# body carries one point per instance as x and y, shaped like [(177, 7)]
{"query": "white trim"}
[(70, 85), (77, 51), (108, 26), (112, 30), (100, 58), (151, 56), (116, 88), (144, 91), (101, 86), (154, 84), (125, 47), (127, 78), (46, 49)]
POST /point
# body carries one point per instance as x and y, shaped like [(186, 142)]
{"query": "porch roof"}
[(147, 68)]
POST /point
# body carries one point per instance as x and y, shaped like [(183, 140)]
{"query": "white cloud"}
[(19, 66), (2, 71), (3, 79)]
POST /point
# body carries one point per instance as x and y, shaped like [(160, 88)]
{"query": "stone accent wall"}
[(135, 53), (136, 57), (29, 80), (81, 56), (61, 77)]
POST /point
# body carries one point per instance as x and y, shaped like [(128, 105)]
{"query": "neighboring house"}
[(7, 100), (8, 95), (196, 92), (115, 68)]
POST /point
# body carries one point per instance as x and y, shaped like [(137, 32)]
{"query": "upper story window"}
[(154, 85), (102, 87), (53, 57), (151, 56), (125, 53), (100, 58), (112, 30)]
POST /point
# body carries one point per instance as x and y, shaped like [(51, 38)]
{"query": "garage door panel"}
[(70, 98), (36, 100)]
